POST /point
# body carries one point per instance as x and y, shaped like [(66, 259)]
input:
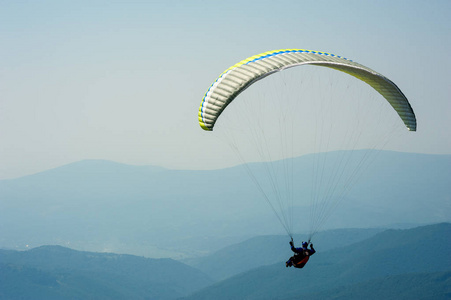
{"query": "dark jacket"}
[(303, 250)]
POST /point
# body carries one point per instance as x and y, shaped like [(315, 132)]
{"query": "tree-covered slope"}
[(54, 272), (420, 286), (390, 253), (267, 250)]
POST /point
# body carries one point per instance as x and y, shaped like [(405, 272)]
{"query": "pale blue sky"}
[(122, 80)]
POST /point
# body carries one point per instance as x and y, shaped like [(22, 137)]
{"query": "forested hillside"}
[(54, 272), (401, 255)]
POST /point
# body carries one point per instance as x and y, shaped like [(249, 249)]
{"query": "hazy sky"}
[(122, 80)]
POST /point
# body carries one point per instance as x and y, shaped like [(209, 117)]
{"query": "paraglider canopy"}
[(240, 76)]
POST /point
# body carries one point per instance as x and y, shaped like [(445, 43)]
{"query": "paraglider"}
[(301, 256), (332, 182)]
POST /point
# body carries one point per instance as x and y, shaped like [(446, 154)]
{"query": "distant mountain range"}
[(105, 206), (349, 264)]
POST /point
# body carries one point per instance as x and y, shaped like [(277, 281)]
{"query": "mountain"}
[(55, 272), (390, 264), (154, 212), (106, 206), (358, 270), (267, 250), (419, 286)]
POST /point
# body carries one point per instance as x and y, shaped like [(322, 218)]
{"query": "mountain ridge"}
[(79, 205), (48, 272), (359, 263)]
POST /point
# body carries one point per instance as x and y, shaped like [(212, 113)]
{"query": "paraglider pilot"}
[(301, 255)]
